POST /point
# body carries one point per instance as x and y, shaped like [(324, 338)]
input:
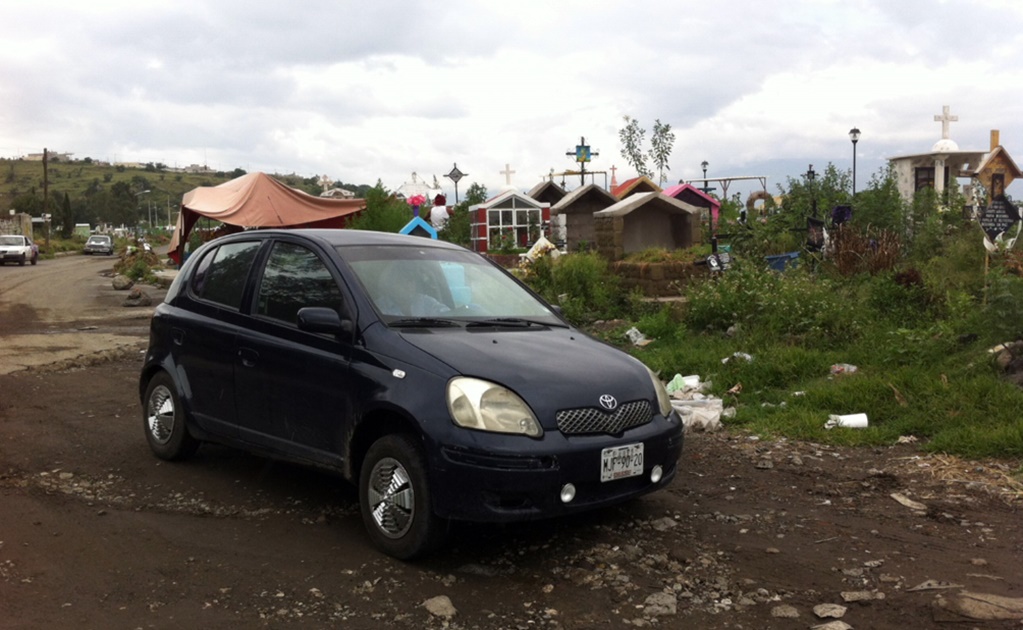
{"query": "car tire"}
[(394, 497), (35, 259), (164, 421), (21, 263)]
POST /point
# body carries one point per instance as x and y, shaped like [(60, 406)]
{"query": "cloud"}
[(362, 91)]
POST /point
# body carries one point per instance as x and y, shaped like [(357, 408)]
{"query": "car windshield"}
[(12, 240), (99, 240), (444, 286)]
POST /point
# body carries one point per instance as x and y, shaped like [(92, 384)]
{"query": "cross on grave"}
[(325, 182), (507, 172), (945, 118)]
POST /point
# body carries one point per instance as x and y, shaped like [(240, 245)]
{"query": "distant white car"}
[(99, 244), (17, 248)]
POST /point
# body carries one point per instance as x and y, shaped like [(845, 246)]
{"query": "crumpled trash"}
[(849, 421), (737, 355), (637, 338), (843, 368), (698, 411), (679, 383), (702, 414)]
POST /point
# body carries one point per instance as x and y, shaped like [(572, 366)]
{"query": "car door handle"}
[(248, 357), (178, 335)]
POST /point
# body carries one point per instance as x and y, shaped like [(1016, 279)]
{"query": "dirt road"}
[(65, 309), (96, 533)]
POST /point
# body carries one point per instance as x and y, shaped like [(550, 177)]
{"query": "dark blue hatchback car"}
[(420, 371)]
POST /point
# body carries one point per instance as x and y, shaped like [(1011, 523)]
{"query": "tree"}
[(383, 213), (458, 228), (631, 137), (662, 140), (67, 217), (881, 206)]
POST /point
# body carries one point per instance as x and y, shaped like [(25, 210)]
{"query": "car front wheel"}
[(164, 421), (394, 496)]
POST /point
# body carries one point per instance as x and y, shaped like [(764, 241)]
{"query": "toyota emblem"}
[(607, 401)]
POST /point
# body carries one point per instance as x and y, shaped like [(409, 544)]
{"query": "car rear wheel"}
[(164, 421), (394, 496)]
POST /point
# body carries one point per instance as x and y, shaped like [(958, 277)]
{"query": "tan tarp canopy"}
[(257, 200)]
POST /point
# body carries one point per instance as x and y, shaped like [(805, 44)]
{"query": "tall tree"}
[(67, 217), (661, 142), (631, 137)]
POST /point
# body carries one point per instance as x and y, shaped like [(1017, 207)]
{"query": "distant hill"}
[(79, 178)]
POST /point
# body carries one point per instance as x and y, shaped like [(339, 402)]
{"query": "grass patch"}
[(920, 349)]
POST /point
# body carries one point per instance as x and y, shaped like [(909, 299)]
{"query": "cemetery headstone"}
[(998, 217)]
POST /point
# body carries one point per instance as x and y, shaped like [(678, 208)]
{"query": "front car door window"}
[(295, 278)]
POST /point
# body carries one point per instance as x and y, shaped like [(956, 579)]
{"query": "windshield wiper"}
[(510, 322), (423, 322)]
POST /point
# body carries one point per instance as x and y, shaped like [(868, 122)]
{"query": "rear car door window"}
[(222, 274), (294, 278)]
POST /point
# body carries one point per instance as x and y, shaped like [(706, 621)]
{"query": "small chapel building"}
[(511, 219), (937, 168)]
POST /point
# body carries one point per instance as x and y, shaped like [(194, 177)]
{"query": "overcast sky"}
[(361, 91)]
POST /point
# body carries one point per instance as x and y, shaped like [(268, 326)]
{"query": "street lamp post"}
[(810, 176), (854, 135), (710, 214)]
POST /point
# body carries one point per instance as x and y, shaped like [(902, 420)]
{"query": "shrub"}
[(579, 283), (900, 298), (795, 305)]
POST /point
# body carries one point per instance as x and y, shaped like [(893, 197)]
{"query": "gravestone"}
[(998, 217)]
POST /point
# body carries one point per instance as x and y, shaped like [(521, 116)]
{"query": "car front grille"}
[(595, 420)]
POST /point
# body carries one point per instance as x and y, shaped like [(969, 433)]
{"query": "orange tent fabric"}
[(256, 200)]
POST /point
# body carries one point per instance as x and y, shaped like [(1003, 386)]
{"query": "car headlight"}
[(478, 404), (663, 397)]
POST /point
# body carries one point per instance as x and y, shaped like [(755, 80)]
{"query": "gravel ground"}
[(95, 532)]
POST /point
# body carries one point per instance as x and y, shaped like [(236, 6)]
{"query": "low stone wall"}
[(657, 279)]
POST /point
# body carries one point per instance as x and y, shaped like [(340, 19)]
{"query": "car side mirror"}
[(323, 320)]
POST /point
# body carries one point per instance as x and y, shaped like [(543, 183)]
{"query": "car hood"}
[(540, 365)]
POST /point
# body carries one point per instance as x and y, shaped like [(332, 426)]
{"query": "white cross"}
[(325, 182), (945, 119), (507, 172)]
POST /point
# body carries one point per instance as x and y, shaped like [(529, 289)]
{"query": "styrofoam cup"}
[(850, 421)]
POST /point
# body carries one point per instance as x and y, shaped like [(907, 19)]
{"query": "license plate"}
[(619, 462)]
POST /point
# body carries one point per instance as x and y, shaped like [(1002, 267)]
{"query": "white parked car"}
[(18, 248)]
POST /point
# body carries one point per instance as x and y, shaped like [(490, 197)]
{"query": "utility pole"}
[(46, 192)]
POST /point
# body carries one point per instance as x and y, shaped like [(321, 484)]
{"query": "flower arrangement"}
[(416, 200)]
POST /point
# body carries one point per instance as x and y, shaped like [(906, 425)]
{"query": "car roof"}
[(343, 238)]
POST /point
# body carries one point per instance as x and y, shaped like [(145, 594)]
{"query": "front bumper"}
[(475, 485)]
